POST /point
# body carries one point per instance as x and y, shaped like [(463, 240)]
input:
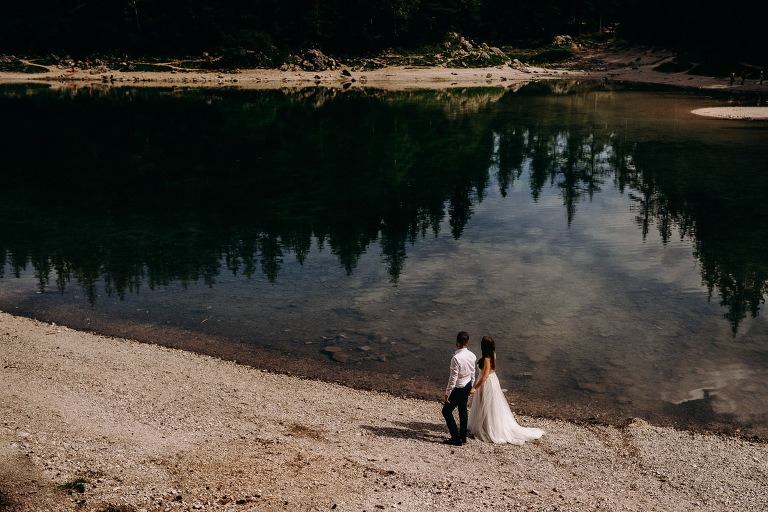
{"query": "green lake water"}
[(613, 244)]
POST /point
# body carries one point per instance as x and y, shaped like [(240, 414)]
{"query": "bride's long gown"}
[(491, 419)]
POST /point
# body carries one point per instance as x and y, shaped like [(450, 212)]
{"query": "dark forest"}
[(357, 27)]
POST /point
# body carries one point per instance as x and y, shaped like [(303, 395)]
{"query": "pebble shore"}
[(146, 428)]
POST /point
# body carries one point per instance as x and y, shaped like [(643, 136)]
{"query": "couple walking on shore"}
[(490, 418)]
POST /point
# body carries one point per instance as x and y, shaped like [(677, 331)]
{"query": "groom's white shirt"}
[(462, 370)]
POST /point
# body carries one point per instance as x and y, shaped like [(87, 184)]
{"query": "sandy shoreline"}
[(153, 428), (607, 64), (747, 113), (387, 78)]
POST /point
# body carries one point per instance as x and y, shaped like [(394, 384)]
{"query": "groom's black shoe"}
[(453, 442)]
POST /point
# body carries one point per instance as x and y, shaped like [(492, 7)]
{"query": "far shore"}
[(387, 78), (632, 65), (108, 424)]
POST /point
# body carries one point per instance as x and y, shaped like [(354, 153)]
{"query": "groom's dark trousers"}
[(458, 399)]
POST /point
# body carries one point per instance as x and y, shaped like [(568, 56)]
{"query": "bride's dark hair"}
[(488, 349)]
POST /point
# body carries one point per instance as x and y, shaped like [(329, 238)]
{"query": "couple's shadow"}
[(428, 432)]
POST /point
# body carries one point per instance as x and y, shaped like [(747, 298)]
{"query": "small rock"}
[(340, 357), (562, 41), (516, 64), (523, 376)]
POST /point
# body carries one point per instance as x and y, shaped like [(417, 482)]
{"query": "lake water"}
[(612, 243)]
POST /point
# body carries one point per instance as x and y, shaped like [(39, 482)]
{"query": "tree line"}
[(154, 27)]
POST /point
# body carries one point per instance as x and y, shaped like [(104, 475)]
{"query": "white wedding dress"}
[(491, 419)]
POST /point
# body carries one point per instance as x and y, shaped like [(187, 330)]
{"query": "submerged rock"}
[(340, 357)]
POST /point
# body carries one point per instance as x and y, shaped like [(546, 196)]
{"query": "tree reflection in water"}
[(125, 188)]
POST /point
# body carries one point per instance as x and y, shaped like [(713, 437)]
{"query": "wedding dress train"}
[(491, 419)]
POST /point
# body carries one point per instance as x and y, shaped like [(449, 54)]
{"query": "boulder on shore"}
[(315, 60)]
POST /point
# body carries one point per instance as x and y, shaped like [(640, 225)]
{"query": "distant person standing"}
[(761, 77), (733, 77)]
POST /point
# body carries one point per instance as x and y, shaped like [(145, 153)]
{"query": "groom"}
[(460, 382)]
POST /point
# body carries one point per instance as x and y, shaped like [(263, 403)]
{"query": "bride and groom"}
[(490, 418)]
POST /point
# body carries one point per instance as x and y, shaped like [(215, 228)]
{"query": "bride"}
[(490, 418)]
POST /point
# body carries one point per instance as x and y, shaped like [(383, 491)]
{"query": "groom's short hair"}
[(462, 338)]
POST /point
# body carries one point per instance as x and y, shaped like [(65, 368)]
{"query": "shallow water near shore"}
[(610, 241)]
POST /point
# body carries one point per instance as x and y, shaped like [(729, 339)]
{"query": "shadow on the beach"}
[(429, 432)]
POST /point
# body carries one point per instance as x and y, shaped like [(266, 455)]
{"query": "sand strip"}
[(749, 113)]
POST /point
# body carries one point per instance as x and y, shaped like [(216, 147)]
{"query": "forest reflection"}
[(122, 188)]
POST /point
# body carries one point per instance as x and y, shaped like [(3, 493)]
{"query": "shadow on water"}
[(119, 190)]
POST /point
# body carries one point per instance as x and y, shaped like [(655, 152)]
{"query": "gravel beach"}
[(147, 428)]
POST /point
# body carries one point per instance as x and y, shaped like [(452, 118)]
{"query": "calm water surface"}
[(612, 243)]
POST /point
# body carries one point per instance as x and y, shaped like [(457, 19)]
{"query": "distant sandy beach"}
[(753, 113), (148, 428)]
